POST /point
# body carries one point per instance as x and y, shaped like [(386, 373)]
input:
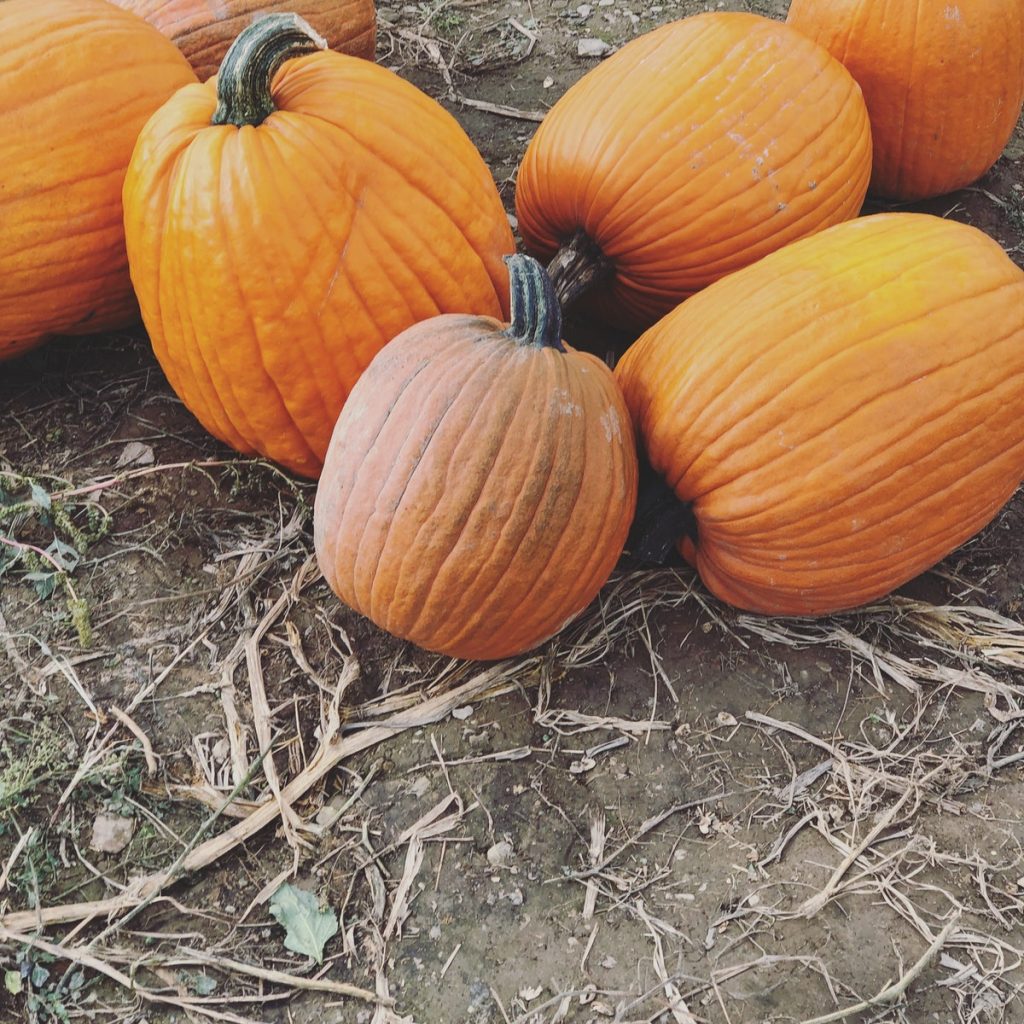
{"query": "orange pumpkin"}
[(204, 29), (78, 79), (943, 81), (280, 236), (480, 482), (842, 414), (696, 149)]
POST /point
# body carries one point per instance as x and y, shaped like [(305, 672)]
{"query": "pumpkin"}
[(280, 234), (204, 29), (480, 482), (841, 415), (694, 150), (78, 79), (943, 81)]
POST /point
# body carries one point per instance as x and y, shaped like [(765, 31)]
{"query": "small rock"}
[(584, 10), (111, 833), (592, 48), (462, 713), (609, 962), (435, 932), (500, 854), (547, 83), (420, 787), (328, 812), (530, 993), (135, 453)]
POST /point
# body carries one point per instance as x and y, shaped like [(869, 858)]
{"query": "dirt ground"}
[(673, 812)]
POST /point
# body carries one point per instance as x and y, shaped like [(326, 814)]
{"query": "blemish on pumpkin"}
[(812, 185), (562, 401), (612, 426)]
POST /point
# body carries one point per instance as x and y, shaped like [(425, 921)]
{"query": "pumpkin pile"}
[(327, 275)]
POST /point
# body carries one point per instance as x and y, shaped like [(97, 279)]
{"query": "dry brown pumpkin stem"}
[(249, 66), (662, 520), (577, 267)]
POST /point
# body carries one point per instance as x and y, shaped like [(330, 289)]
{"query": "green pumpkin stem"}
[(249, 66), (577, 267), (536, 315)]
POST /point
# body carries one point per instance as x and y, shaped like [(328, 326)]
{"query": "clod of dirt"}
[(500, 855), (111, 833)]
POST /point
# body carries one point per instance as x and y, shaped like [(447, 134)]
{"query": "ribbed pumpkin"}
[(480, 482), (943, 81), (842, 414), (204, 29), (78, 79), (279, 239), (696, 149)]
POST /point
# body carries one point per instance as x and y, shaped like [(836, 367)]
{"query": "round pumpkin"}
[(480, 482), (943, 81), (78, 79), (279, 235), (841, 415), (204, 29), (696, 149)]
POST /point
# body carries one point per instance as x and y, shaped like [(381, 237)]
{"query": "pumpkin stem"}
[(661, 520), (249, 66), (536, 315), (577, 267)]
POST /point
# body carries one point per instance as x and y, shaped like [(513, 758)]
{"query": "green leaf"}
[(12, 982), (307, 927)]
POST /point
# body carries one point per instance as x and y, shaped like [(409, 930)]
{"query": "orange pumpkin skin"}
[(273, 261), (943, 81), (78, 79), (842, 414), (479, 488), (204, 29), (695, 150)]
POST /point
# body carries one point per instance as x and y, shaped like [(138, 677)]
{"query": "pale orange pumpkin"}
[(480, 482), (204, 29)]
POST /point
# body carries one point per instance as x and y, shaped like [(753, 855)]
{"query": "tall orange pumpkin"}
[(842, 414), (78, 79), (943, 81), (280, 235), (204, 29), (480, 482), (696, 149)]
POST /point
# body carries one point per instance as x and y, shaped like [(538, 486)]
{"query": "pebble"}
[(111, 833), (500, 854), (592, 48)]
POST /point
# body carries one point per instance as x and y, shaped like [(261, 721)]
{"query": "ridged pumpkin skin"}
[(204, 29), (695, 150), (78, 79), (478, 489), (943, 81), (841, 415), (273, 262)]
